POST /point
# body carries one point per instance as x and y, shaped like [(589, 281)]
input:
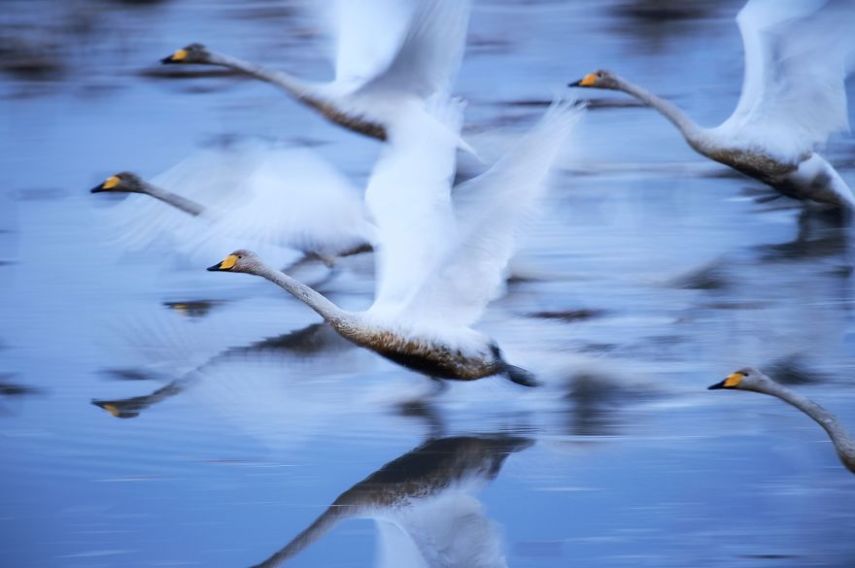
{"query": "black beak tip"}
[(716, 386), (214, 268), (575, 83), (167, 59), (97, 189)]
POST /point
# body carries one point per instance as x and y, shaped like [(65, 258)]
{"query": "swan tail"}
[(520, 376)]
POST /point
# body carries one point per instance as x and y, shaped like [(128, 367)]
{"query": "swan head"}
[(599, 79), (193, 53), (123, 182), (238, 261), (744, 379)]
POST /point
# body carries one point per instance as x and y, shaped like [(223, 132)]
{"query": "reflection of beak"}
[(718, 385), (176, 57)]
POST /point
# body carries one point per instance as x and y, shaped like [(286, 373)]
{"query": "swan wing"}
[(797, 56), (409, 200), (365, 35), (452, 530), (490, 210), (429, 55), (291, 197)]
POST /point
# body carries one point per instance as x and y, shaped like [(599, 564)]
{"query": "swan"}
[(438, 262), (287, 197), (423, 504), (754, 380), (793, 97), (389, 54)]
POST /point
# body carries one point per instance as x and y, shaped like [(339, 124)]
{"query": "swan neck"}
[(290, 84), (188, 206), (329, 311), (843, 442), (671, 111)]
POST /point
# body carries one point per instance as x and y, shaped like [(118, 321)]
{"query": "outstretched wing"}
[(366, 35), (429, 56), (409, 200), (293, 198), (489, 210), (797, 56)]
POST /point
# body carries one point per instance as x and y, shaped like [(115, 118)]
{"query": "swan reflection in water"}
[(424, 505), (313, 340)]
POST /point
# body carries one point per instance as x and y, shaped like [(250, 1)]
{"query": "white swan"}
[(797, 56), (389, 53), (424, 506), (438, 262), (754, 380), (248, 193)]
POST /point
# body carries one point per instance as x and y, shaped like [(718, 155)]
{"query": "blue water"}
[(669, 273)]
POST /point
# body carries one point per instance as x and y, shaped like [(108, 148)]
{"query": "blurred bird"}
[(253, 194), (389, 54), (439, 261), (797, 56), (754, 380)]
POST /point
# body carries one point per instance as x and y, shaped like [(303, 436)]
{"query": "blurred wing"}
[(430, 54), (452, 530), (409, 200), (489, 211), (797, 56), (365, 35), (293, 198), (204, 177)]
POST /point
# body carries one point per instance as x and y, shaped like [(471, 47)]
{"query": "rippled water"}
[(153, 414)]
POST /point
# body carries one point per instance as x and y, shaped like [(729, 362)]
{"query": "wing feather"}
[(797, 56), (489, 210)]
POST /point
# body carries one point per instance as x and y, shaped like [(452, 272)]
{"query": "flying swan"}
[(797, 56)]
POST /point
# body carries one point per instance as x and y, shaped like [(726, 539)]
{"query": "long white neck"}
[(297, 88), (188, 206), (329, 311), (843, 442), (690, 130)]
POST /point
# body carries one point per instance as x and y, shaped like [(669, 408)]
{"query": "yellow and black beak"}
[(731, 382), (587, 81), (224, 265), (180, 56), (108, 184)]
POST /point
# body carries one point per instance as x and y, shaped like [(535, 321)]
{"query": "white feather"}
[(441, 261), (797, 56)]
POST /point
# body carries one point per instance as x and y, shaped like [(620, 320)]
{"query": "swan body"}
[(797, 56), (389, 53), (267, 196), (754, 380), (423, 504), (439, 261)]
